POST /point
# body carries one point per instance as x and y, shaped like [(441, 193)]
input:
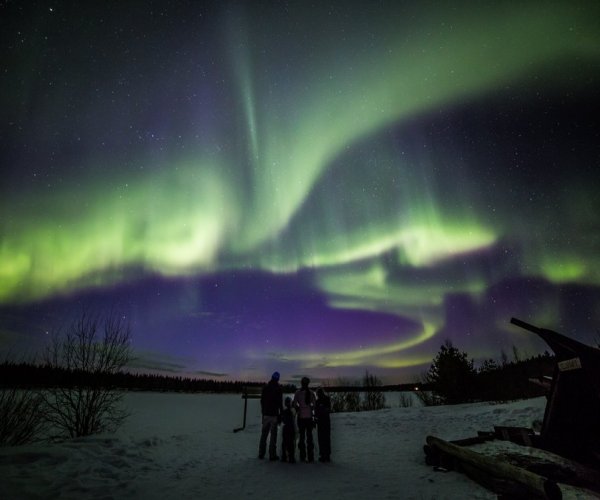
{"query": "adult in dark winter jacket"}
[(271, 404), (322, 410), (304, 402)]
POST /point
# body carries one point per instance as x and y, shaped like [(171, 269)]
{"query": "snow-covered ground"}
[(183, 446)]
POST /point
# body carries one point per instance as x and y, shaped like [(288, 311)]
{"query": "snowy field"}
[(182, 446)]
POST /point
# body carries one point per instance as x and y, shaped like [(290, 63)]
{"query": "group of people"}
[(309, 408)]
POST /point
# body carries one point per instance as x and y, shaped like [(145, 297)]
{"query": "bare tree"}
[(21, 416), (92, 351), (405, 400), (374, 397), (345, 400)]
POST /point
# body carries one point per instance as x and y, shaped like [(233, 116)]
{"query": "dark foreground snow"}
[(182, 446)]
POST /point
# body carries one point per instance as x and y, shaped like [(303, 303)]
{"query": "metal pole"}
[(245, 407)]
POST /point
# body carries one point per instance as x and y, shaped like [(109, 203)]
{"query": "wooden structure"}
[(571, 424), (570, 433), (250, 392), (512, 474)]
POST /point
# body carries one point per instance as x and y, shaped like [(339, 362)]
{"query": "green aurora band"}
[(190, 213), (53, 243)]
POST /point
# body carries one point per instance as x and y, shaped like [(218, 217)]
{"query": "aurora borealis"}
[(317, 189)]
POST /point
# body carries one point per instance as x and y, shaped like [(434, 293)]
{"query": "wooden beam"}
[(495, 472)]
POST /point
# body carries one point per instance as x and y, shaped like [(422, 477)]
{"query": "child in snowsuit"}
[(289, 433), (322, 410)]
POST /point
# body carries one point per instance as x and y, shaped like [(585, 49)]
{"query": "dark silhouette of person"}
[(288, 433), (304, 402), (272, 408), (322, 411)]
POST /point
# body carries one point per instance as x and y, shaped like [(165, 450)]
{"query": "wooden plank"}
[(499, 470), (542, 382), (252, 392), (518, 435)]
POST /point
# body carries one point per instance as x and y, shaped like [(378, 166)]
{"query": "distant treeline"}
[(358, 387), (453, 378), (513, 380), (491, 382), (39, 376), (28, 375)]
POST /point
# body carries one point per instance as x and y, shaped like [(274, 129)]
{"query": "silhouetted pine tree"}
[(451, 375)]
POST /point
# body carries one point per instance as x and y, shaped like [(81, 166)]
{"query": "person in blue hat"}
[(271, 404)]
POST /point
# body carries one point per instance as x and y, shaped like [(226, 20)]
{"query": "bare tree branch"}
[(21, 416), (92, 349)]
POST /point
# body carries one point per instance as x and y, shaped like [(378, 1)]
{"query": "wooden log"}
[(498, 470), (474, 440), (504, 487)]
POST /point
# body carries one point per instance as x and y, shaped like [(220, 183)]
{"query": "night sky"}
[(318, 188)]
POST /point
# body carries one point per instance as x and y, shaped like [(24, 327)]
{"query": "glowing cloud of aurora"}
[(311, 155)]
